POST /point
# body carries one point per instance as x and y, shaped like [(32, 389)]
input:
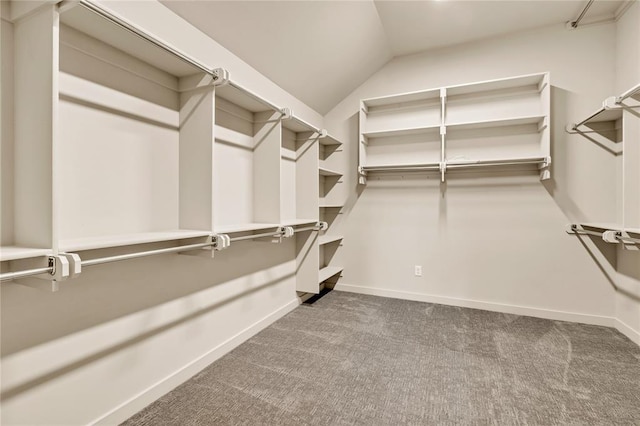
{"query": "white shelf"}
[(298, 222), (328, 172), (484, 124), (329, 140), (536, 81), (244, 227), (403, 98), (328, 239), (330, 206), (16, 253), (603, 226), (402, 132), (92, 243), (328, 272)]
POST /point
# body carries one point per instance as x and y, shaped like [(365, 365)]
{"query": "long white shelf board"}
[(95, 26), (402, 98), (328, 239), (330, 206), (92, 243), (402, 132), (244, 227), (328, 172), (504, 122), (17, 252), (498, 84), (297, 222), (603, 226)]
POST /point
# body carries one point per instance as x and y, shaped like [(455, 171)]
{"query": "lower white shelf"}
[(328, 272), (16, 252), (92, 243)]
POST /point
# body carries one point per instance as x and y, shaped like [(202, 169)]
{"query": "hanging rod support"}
[(574, 24)]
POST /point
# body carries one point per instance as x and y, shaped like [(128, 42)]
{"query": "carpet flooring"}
[(351, 359)]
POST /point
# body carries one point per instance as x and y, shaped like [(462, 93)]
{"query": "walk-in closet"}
[(319, 212)]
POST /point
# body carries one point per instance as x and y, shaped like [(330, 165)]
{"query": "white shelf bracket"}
[(545, 173), (611, 102), (611, 236), (443, 170), (221, 242), (287, 231), (220, 77), (322, 226), (362, 176), (287, 113)]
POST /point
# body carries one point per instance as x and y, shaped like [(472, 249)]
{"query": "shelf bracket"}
[(220, 76), (60, 270), (545, 173), (362, 176)]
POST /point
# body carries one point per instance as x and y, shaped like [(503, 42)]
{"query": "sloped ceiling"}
[(320, 50)]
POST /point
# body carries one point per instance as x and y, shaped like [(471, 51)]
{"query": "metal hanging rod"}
[(252, 236), (624, 239), (121, 257), (26, 273), (629, 93), (579, 230), (576, 22), (106, 14), (215, 242), (506, 162)]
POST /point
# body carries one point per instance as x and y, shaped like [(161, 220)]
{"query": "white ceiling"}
[(320, 51)]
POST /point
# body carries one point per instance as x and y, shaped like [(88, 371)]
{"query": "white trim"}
[(155, 391), (627, 330), (487, 306)]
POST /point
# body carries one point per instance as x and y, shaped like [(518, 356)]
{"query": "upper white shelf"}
[(16, 253), (93, 243), (244, 227), (402, 132), (519, 84), (298, 222), (484, 124), (84, 20), (401, 100)]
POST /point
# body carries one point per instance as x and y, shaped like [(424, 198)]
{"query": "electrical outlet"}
[(418, 271)]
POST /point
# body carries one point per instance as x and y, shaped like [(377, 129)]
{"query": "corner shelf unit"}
[(138, 143), (491, 123)]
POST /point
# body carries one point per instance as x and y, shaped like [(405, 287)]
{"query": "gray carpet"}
[(352, 359)]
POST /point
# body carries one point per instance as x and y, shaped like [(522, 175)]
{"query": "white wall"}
[(628, 265), (6, 124), (490, 241), (120, 335)]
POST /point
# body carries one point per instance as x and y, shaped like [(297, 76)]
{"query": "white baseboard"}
[(633, 335), (476, 304), (146, 397)]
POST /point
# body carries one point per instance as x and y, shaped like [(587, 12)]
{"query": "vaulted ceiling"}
[(320, 51)]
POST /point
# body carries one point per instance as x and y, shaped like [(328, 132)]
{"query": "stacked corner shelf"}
[(329, 180), (492, 123)]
